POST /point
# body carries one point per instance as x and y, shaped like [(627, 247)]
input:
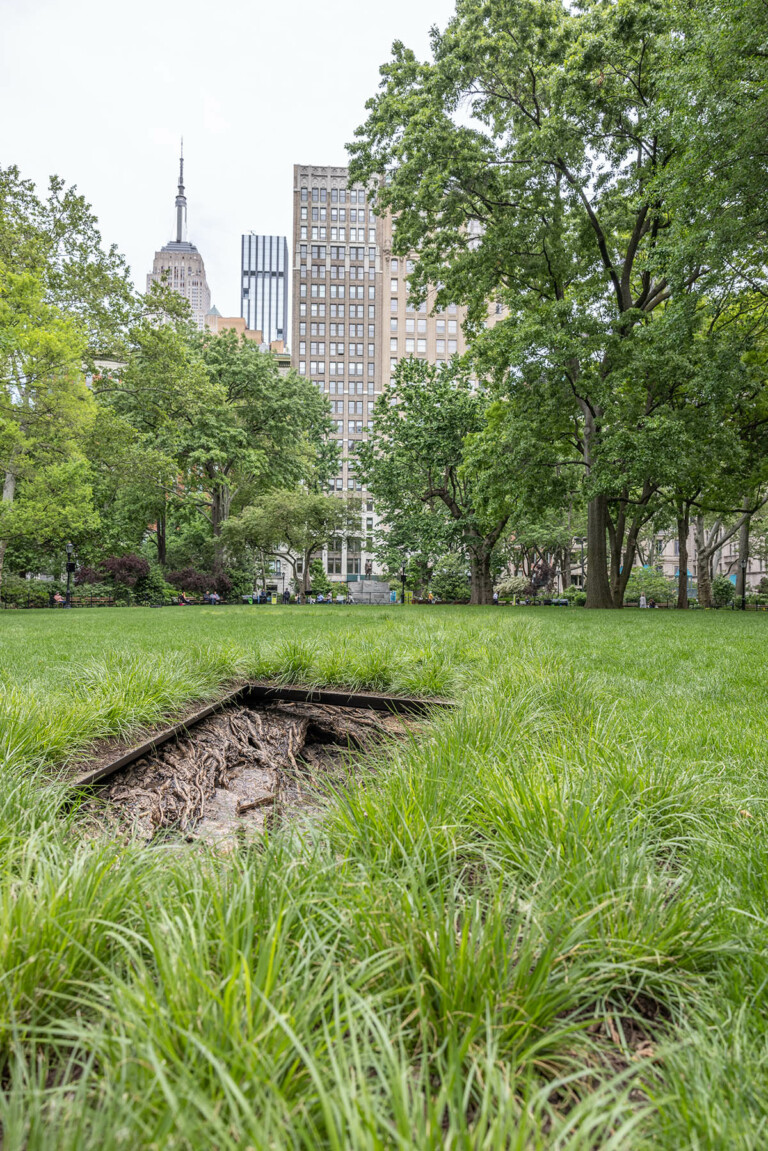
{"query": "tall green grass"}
[(540, 923)]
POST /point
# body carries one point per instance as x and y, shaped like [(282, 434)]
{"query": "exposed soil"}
[(239, 769)]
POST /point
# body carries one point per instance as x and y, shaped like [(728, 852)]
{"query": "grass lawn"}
[(544, 925)]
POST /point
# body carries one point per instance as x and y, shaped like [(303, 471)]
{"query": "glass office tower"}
[(264, 285)]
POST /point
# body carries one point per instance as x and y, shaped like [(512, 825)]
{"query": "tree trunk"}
[(598, 586), (220, 502), (741, 571), (683, 527), (9, 491), (703, 577), (481, 583), (305, 585), (160, 539), (565, 566)]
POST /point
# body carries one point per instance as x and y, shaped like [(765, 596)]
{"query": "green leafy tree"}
[(512, 586), (55, 239), (260, 430), (556, 199), (318, 580), (723, 591), (650, 583), (450, 579), (294, 526), (45, 410), (415, 457)]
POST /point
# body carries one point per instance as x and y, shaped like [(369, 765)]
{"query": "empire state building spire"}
[(179, 265), (181, 200)]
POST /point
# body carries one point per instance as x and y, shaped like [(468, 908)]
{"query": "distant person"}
[(183, 599), (339, 598), (643, 601), (286, 596), (430, 598), (651, 602), (58, 599), (320, 598), (495, 597)]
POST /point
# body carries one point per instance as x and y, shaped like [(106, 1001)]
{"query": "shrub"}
[(241, 581), (449, 579), (723, 591), (512, 586), (196, 582), (126, 569), (575, 595), (650, 583), (29, 592), (318, 580), (86, 575), (152, 588), (762, 587)]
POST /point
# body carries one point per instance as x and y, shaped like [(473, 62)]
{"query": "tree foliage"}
[(539, 159), (416, 454)]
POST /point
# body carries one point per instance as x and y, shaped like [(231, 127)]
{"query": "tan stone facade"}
[(181, 267), (352, 321), (338, 325)]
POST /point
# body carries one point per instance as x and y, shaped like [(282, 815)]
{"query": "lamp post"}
[(744, 585), (402, 581), (70, 569)]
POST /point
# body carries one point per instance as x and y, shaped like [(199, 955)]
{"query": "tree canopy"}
[(540, 159)]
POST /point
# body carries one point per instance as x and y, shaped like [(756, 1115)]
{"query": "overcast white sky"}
[(99, 91)]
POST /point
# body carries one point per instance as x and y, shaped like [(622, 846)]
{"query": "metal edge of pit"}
[(261, 693)]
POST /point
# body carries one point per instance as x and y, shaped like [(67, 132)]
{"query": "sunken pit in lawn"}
[(241, 769)]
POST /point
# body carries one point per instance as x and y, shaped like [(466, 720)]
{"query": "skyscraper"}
[(180, 265), (353, 321), (264, 285), (337, 325)]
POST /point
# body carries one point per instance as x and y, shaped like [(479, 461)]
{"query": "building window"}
[(304, 194), (421, 346), (410, 346)]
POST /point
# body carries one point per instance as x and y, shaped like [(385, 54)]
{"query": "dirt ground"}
[(241, 770)]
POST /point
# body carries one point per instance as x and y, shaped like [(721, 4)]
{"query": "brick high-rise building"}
[(180, 265)]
